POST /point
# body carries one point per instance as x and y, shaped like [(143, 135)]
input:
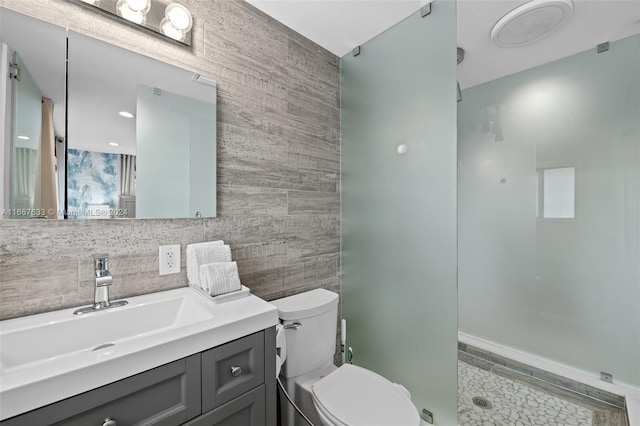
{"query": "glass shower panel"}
[(398, 124), (549, 216)]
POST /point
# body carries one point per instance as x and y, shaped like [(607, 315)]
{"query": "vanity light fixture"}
[(23, 137), (114, 144), (126, 114), (164, 17)]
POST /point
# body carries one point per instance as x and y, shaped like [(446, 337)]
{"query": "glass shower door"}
[(398, 124)]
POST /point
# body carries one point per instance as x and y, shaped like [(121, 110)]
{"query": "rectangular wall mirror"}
[(138, 139)]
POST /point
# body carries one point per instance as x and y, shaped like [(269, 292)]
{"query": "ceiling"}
[(340, 25), (591, 23)]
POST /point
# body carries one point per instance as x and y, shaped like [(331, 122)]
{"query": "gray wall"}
[(278, 169)]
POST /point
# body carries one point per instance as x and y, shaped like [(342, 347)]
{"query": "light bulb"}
[(127, 13), (141, 6), (170, 31), (179, 17)]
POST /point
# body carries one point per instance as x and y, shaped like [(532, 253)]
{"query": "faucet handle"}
[(101, 261)]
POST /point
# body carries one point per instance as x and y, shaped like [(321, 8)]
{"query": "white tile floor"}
[(514, 403)]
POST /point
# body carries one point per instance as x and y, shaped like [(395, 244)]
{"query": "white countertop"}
[(28, 382)]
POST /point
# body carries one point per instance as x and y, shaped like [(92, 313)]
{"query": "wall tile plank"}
[(267, 174), (313, 202), (243, 200), (321, 235), (31, 287)]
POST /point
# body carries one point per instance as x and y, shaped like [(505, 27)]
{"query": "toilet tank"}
[(313, 344)]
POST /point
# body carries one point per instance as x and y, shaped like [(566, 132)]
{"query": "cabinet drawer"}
[(167, 395), (246, 410), (230, 370)]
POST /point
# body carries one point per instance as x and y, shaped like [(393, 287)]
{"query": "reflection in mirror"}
[(142, 135), (163, 119), (32, 116), (117, 163)]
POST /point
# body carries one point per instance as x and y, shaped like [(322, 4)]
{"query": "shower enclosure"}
[(549, 211)]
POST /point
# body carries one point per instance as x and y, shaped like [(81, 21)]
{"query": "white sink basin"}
[(51, 356), (24, 343)]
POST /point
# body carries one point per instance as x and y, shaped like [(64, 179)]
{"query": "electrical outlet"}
[(169, 259)]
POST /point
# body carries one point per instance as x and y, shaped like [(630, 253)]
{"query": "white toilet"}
[(328, 395)]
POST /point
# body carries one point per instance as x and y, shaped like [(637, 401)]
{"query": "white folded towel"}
[(220, 278), (201, 253), (206, 244)]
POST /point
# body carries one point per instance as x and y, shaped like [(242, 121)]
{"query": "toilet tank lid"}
[(307, 304)]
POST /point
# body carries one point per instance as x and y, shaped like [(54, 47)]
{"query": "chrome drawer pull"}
[(109, 422), (236, 371)]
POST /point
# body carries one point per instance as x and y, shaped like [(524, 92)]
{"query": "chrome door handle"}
[(236, 371)]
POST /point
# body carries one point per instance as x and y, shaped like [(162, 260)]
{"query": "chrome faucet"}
[(103, 280)]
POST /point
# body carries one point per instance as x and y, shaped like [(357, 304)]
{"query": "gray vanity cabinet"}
[(166, 395), (232, 384)]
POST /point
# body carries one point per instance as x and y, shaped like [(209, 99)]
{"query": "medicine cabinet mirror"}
[(94, 131)]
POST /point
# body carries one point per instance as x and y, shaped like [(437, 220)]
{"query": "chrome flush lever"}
[(293, 326)]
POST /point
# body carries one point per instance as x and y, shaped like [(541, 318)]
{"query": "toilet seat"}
[(355, 396)]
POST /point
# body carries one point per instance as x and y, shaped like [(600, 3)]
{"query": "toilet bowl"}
[(328, 395)]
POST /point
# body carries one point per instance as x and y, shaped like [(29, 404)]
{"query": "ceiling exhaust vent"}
[(530, 22)]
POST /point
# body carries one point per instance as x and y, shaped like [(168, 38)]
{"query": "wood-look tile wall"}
[(278, 168)]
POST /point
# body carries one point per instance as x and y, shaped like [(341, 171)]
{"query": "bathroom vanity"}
[(197, 370)]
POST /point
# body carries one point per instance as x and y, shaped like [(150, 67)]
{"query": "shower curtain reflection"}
[(45, 190), (127, 174)]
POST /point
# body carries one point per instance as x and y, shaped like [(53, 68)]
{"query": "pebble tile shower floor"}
[(516, 403)]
